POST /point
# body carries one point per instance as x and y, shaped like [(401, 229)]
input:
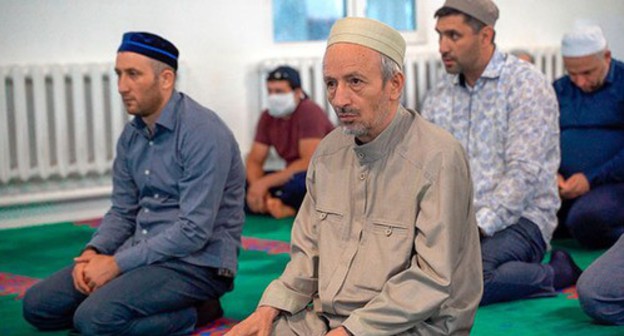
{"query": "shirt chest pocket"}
[(329, 223), (385, 250)]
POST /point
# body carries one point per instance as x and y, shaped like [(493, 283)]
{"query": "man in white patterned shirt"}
[(505, 114)]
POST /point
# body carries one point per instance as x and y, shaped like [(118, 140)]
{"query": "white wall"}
[(222, 41)]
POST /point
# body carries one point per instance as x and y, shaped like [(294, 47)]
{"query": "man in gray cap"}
[(591, 175), (170, 240), (385, 242), (504, 112)]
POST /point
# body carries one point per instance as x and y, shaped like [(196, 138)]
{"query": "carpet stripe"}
[(15, 284)]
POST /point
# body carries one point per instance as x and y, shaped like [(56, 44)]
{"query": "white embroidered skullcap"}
[(583, 40), (371, 34)]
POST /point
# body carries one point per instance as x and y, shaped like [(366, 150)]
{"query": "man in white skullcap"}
[(591, 175), (385, 242), (504, 112)]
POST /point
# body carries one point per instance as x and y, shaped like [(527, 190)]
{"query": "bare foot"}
[(278, 209)]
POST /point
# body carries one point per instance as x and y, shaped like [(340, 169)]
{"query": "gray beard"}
[(356, 132)]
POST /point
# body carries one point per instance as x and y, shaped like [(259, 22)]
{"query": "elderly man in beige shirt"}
[(386, 240)]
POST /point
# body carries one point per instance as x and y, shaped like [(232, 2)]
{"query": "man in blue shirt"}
[(170, 240), (591, 175)]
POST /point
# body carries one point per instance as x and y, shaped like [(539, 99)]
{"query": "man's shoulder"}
[(562, 85), (190, 105), (426, 137), (193, 113), (445, 82), (334, 142), (200, 121), (309, 104), (428, 148), (310, 110), (521, 72), (618, 67)]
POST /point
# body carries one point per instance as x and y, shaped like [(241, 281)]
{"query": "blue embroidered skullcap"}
[(152, 46), (286, 73)]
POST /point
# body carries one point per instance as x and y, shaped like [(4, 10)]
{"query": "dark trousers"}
[(601, 286), (158, 299), (512, 267), (595, 219), (291, 193)]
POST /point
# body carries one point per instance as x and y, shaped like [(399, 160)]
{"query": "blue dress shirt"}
[(177, 193)]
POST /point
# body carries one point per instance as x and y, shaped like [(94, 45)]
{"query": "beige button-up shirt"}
[(386, 240)]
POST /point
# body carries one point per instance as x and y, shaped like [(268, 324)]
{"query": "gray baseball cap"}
[(482, 10)]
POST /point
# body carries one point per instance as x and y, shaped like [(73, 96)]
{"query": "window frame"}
[(357, 8), (418, 36)]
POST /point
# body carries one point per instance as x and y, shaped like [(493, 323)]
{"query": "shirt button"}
[(362, 176), (147, 172), (361, 155), (388, 232), (144, 232), (156, 196), (151, 143), (323, 215), (146, 210)]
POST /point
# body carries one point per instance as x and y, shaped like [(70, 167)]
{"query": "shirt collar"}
[(610, 73), (492, 70), (386, 141), (166, 118)]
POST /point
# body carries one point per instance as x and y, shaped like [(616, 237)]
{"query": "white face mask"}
[(281, 104)]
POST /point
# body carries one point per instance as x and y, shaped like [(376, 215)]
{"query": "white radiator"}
[(58, 129), (421, 72)]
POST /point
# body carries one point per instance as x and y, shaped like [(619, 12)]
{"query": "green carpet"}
[(34, 252)]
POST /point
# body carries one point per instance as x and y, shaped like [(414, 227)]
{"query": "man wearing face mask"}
[(294, 125)]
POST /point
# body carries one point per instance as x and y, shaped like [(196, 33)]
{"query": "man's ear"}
[(487, 34), (167, 79), (396, 85)]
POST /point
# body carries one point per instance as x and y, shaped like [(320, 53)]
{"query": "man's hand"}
[(340, 331), (98, 270), (257, 193), (78, 273), (560, 182), (575, 186), (260, 323)]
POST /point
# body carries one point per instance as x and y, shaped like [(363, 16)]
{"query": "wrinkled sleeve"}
[(206, 156), (532, 146), (445, 270), (297, 285), (611, 171)]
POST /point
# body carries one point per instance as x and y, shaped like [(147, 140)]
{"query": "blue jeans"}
[(512, 266), (595, 219), (601, 287), (291, 193), (158, 299)]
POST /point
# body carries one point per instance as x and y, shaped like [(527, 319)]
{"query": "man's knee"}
[(595, 302), (98, 318), (31, 308), (38, 311)]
